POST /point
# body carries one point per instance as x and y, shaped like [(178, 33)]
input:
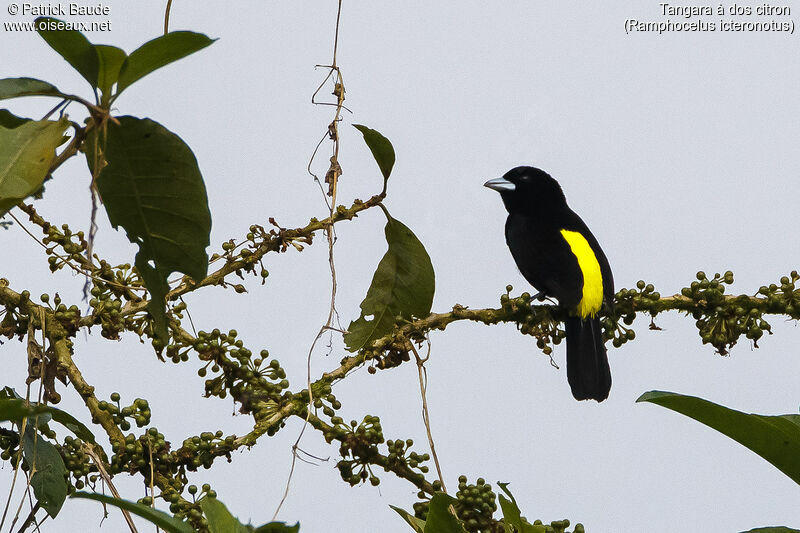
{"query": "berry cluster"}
[(397, 456), (135, 453), (627, 302), (77, 463), (9, 443), (138, 411), (358, 448), (257, 383), (201, 450), (476, 504), (559, 526), (720, 322), (185, 509), (252, 249), (539, 323), (16, 317), (106, 312), (784, 298), (323, 396), (73, 245)]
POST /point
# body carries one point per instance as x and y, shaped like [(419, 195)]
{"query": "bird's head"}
[(528, 190)]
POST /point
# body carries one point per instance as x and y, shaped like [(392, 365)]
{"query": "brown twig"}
[(31, 518), (166, 17), (89, 450)]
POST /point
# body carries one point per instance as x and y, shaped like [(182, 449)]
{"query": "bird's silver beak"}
[(500, 185)]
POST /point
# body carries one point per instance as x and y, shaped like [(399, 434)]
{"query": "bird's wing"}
[(577, 224), (544, 258)]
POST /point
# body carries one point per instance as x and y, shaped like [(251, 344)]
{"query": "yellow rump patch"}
[(592, 298)]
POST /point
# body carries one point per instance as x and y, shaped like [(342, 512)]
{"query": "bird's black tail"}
[(587, 361)]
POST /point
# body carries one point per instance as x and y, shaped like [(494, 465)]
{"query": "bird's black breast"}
[(544, 258)]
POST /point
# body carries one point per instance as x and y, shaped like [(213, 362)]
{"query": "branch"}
[(400, 468), (519, 311), (277, 241)]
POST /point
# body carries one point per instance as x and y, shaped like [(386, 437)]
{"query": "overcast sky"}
[(678, 149)]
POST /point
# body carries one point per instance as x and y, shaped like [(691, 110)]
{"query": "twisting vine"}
[(332, 180)]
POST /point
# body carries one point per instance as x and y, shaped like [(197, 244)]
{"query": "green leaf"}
[(152, 187), (155, 279), (72, 46), (15, 87), (402, 286), (278, 527), (775, 438), (381, 149), (111, 59), (14, 409), (773, 529), (49, 473), (72, 424), (220, 520), (9, 120), (8, 393), (511, 513), (512, 516), (417, 524), (440, 520), (26, 153), (168, 523), (159, 52)]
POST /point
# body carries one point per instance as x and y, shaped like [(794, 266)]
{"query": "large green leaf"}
[(26, 153), (49, 473), (152, 187), (9, 120), (775, 438), (440, 519), (72, 46), (220, 520), (381, 149), (111, 59), (15, 87), (168, 523), (402, 286), (417, 524), (159, 52), (15, 410)]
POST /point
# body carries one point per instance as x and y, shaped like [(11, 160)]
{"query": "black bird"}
[(559, 256)]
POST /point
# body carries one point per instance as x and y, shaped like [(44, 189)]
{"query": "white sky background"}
[(679, 150)]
